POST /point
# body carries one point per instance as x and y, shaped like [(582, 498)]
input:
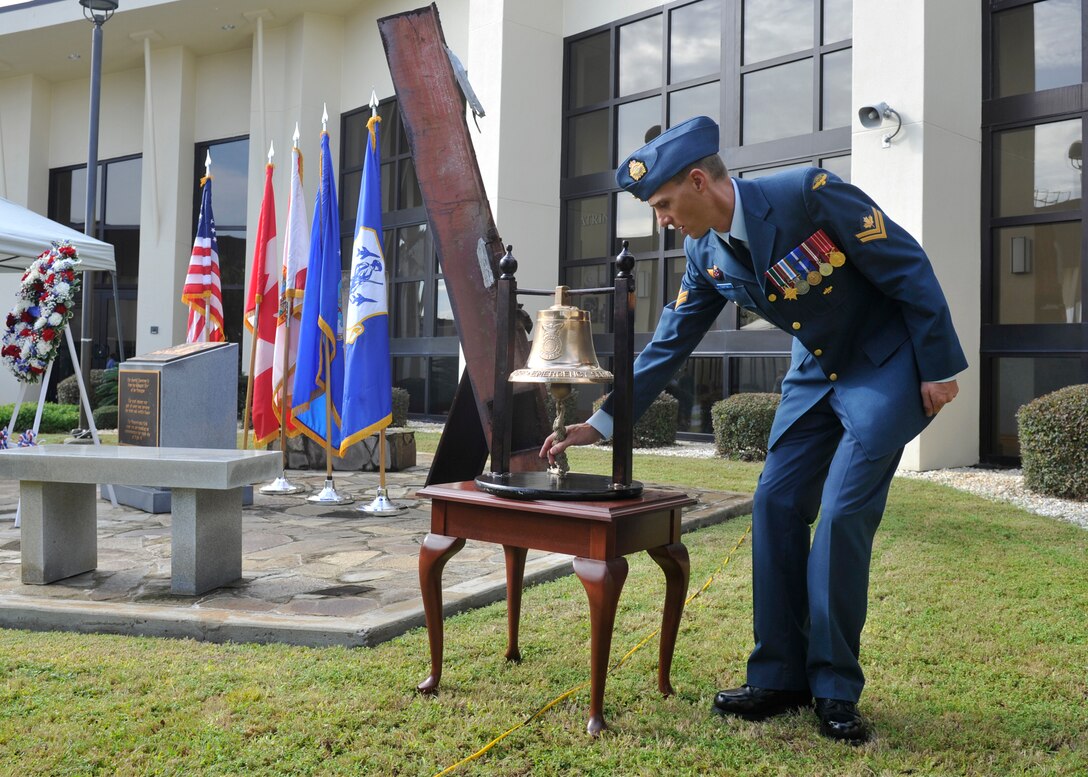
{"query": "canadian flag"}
[(262, 303)]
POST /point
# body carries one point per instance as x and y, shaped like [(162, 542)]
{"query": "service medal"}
[(801, 286), (814, 278), (826, 268), (836, 258)]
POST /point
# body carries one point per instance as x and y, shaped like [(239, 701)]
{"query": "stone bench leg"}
[(206, 527), (59, 534)]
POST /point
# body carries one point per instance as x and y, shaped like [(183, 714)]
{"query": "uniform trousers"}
[(810, 589)]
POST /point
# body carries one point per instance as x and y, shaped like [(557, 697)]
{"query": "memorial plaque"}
[(138, 407)]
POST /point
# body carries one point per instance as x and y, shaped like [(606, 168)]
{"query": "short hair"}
[(712, 165)]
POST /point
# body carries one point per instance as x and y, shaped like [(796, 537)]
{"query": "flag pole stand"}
[(382, 505), (281, 486), (328, 495)]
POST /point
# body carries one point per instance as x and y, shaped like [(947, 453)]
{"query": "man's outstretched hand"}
[(577, 434)]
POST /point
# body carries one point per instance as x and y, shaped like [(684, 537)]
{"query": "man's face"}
[(679, 206)]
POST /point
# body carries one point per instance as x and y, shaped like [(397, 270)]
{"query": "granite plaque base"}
[(180, 397), (152, 499)]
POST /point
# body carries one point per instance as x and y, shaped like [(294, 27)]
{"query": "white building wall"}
[(25, 113), (515, 65), (923, 59)]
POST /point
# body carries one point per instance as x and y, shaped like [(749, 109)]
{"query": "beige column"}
[(167, 182), (924, 59)]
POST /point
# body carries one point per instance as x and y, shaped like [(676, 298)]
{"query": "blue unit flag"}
[(319, 371), (368, 385)]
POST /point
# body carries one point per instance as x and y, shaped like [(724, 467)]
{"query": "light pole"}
[(98, 12)]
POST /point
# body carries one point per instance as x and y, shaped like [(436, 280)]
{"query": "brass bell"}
[(562, 353), (562, 350)]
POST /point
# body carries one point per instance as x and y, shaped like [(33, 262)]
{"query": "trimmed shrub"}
[(68, 391), (657, 427), (400, 407), (103, 389), (1054, 443), (55, 418), (742, 424), (105, 417)]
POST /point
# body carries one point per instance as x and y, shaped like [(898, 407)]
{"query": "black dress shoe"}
[(751, 703), (841, 721)]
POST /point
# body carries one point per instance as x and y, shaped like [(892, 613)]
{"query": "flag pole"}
[(328, 494), (207, 318), (381, 505), (281, 485), (328, 409)]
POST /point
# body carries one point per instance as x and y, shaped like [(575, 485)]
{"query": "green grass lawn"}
[(976, 651)]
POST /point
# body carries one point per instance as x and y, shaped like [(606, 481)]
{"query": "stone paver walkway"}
[(312, 575)]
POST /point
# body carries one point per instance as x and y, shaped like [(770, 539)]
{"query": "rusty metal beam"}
[(462, 227)]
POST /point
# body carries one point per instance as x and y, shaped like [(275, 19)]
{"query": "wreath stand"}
[(83, 396)]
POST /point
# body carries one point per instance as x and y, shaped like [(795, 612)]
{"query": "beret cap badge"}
[(636, 168)]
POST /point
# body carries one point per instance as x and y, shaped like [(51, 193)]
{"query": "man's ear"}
[(698, 179)]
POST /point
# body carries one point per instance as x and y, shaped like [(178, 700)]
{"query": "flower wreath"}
[(35, 325)]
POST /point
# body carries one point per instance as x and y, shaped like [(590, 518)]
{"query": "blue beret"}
[(647, 169)]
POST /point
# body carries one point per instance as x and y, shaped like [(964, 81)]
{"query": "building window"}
[(230, 188), (117, 214), (777, 79), (423, 336), (1033, 240)]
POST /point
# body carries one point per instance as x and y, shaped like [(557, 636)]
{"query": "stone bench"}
[(57, 485)]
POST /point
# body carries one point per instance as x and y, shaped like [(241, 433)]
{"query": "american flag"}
[(203, 292)]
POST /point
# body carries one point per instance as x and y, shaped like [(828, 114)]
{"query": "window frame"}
[(725, 341), (1000, 114)]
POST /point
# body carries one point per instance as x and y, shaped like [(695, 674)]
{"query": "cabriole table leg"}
[(433, 555), (673, 560), (515, 575), (603, 581)]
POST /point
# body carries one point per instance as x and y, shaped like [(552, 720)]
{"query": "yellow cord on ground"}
[(614, 667)]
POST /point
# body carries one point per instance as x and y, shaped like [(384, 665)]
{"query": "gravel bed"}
[(1005, 485)]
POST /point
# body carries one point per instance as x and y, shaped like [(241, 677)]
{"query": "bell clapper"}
[(561, 354), (559, 392)]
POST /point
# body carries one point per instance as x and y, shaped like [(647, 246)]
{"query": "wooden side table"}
[(599, 534)]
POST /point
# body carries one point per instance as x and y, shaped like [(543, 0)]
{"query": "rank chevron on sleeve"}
[(874, 227)]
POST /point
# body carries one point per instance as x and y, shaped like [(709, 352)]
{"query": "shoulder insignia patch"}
[(819, 181), (872, 227), (682, 297)]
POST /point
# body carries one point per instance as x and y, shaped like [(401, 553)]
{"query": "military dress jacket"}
[(853, 288)]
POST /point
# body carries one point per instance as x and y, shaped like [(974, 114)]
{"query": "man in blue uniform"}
[(873, 361)]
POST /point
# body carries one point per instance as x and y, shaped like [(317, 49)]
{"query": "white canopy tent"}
[(24, 235)]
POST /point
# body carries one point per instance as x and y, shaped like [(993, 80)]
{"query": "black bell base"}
[(573, 486)]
